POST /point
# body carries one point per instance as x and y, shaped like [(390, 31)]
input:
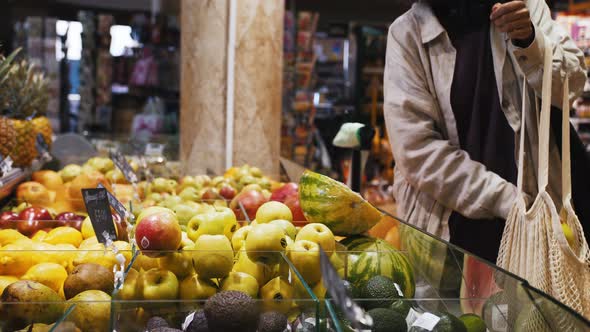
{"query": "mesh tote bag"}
[(534, 245)]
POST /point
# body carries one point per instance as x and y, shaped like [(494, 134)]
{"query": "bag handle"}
[(566, 176), (544, 125), (519, 182)]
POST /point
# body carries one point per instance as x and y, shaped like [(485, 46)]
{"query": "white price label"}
[(412, 316), (188, 320), (427, 321), (154, 150)]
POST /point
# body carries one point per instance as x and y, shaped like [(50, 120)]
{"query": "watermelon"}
[(327, 201), (377, 257)]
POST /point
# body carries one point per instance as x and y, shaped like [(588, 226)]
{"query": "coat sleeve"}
[(428, 161), (567, 57)]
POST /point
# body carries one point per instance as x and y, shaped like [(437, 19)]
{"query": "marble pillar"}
[(258, 84)]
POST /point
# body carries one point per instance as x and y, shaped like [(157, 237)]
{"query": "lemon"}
[(64, 235), (5, 281), (15, 260), (8, 236), (51, 275), (89, 241), (87, 229), (569, 234), (39, 236)]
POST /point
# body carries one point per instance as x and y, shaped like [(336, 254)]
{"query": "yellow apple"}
[(273, 210), (180, 263), (195, 288), (287, 226), (213, 256), (261, 272), (157, 284), (265, 243), (128, 291), (239, 237), (277, 295), (144, 263), (223, 221), (305, 255), (240, 281), (320, 234)]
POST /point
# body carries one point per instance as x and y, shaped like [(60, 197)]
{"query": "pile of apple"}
[(215, 254)]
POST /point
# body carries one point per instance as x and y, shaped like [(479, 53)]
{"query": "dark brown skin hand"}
[(513, 18)]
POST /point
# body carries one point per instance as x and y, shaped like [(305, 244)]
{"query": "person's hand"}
[(513, 18)]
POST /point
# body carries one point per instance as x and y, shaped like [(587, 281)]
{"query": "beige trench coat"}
[(433, 175)]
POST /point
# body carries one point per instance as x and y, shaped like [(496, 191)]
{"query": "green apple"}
[(188, 182), (213, 256), (195, 288), (287, 226), (190, 194), (266, 194), (171, 201), (128, 291), (277, 295), (256, 172), (261, 272), (264, 182), (185, 241), (240, 281), (305, 256), (273, 210), (156, 197), (265, 243), (162, 185), (180, 263), (184, 213), (252, 186), (320, 234), (239, 237), (157, 284), (213, 223)]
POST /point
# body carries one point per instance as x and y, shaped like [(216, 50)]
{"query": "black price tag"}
[(42, 148), (358, 318), (114, 203), (99, 211), (122, 164)]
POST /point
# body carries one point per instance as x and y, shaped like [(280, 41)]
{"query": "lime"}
[(473, 323)]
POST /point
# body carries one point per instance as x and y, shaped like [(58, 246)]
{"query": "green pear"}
[(213, 256), (240, 281), (92, 310), (31, 301)]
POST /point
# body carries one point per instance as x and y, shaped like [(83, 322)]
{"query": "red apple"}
[(7, 219), (32, 219), (69, 219), (251, 200), (281, 194), (211, 194), (227, 192), (293, 203), (158, 231)]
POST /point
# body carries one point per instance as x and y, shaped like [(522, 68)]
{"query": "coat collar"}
[(430, 27)]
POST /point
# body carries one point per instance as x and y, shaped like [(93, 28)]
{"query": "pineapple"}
[(23, 101)]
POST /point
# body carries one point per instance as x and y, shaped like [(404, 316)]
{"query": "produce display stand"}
[(451, 280), (431, 276)]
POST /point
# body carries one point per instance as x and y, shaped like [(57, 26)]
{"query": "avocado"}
[(231, 311), (272, 321), (199, 323), (401, 306), (387, 320), (381, 291), (156, 322), (447, 323)]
